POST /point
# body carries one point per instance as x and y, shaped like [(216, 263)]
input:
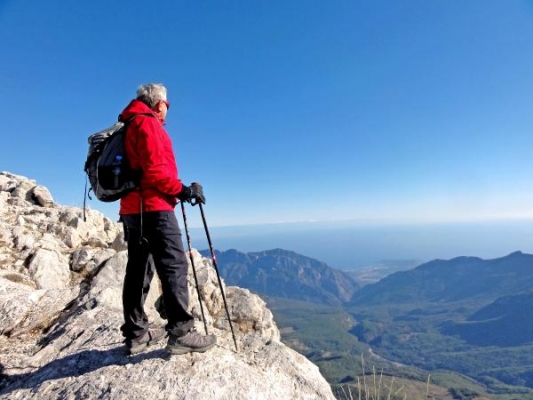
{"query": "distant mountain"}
[(282, 273), (452, 280), (468, 315), (506, 322)]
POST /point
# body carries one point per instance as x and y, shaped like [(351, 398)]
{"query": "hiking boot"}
[(152, 336), (191, 342)]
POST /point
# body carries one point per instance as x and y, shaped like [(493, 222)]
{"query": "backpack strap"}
[(130, 119), (126, 132)]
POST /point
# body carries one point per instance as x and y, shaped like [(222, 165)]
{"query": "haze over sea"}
[(352, 245)]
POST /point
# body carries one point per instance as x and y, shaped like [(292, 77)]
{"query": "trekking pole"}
[(213, 256), (192, 264)]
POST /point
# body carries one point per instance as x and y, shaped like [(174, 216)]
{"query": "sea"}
[(352, 245)]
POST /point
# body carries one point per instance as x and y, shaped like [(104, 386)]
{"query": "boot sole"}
[(137, 349), (184, 349), (140, 347)]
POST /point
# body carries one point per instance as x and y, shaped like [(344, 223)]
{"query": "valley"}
[(465, 322)]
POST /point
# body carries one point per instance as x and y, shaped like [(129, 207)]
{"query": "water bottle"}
[(116, 170)]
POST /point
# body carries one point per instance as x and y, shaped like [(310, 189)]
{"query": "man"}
[(148, 216)]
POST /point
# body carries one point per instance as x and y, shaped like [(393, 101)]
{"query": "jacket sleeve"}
[(156, 157)]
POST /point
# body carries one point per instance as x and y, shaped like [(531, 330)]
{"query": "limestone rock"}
[(15, 301), (23, 190), (61, 311), (22, 308), (42, 196), (48, 270), (119, 243), (8, 182)]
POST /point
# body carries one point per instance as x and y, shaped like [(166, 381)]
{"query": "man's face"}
[(161, 109)]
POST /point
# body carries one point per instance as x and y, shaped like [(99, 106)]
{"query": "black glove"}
[(193, 192)]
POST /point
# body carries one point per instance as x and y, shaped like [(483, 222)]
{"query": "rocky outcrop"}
[(61, 309)]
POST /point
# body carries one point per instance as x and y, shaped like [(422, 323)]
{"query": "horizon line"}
[(381, 222)]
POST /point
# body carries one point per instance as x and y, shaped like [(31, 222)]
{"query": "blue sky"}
[(387, 111)]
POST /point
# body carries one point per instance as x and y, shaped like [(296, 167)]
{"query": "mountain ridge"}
[(451, 280), (284, 273)]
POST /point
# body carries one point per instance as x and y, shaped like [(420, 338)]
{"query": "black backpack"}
[(107, 168)]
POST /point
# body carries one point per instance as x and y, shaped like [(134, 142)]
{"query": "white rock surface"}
[(61, 310)]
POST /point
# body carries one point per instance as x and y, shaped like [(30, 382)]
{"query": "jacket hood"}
[(134, 108)]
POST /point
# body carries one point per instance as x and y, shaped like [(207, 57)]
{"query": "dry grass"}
[(373, 385)]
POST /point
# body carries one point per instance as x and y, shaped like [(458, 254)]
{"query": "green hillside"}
[(506, 322), (466, 321), (321, 333), (455, 280), (467, 315)]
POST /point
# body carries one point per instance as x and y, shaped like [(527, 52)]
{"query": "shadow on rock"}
[(72, 366)]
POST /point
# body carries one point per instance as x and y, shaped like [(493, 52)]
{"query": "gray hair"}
[(151, 94)]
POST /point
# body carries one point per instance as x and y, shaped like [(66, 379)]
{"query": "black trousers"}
[(161, 238)]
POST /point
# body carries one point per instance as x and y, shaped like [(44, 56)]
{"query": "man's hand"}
[(197, 193), (193, 192)]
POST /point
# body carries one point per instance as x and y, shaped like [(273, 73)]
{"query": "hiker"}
[(148, 216)]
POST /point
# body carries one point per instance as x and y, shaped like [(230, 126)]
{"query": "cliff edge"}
[(61, 310)]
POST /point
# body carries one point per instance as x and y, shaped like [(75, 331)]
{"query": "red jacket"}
[(148, 148)]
